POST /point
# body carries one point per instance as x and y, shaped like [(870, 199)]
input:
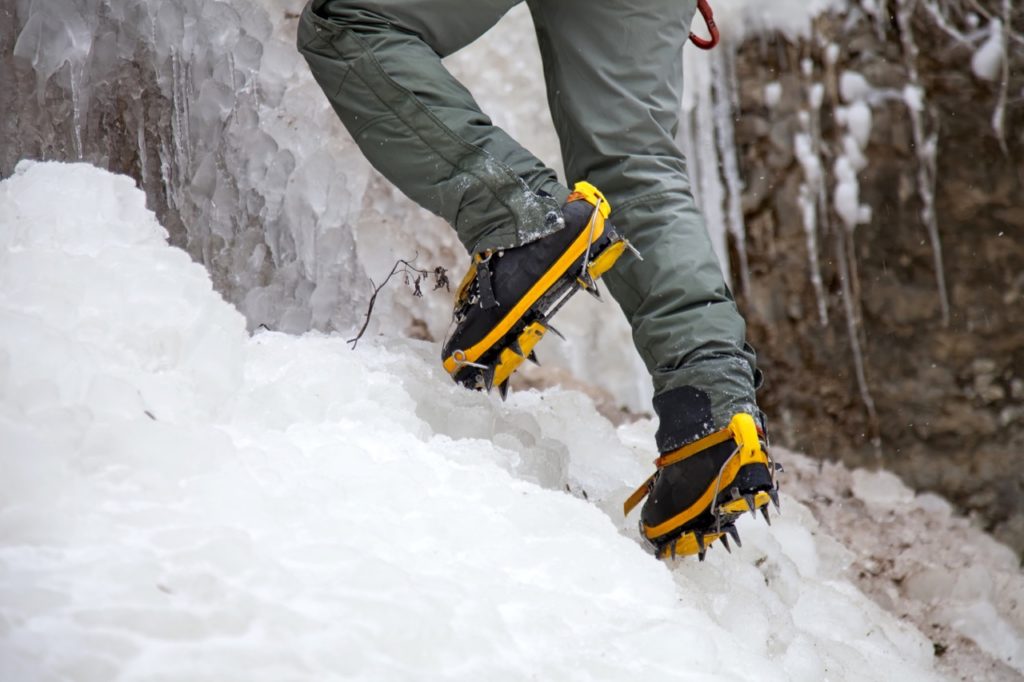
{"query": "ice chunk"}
[(880, 488)]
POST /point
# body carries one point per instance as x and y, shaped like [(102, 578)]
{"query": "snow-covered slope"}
[(181, 501)]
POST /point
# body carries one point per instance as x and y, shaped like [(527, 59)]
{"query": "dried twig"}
[(412, 276)]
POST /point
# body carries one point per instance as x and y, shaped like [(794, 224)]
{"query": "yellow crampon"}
[(518, 338), (749, 450)]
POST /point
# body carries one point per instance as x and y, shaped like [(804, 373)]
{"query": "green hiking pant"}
[(614, 79)]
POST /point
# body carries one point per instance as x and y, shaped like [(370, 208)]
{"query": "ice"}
[(853, 86), (846, 196), (221, 112), (880, 488), (699, 142), (991, 62), (857, 118), (56, 34), (987, 61), (723, 74), (184, 501), (913, 97), (806, 145), (792, 18), (813, 200)]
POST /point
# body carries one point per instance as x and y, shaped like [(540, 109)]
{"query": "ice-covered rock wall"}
[(209, 106), (199, 101)]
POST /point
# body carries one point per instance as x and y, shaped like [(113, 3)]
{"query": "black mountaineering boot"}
[(704, 481), (505, 302)]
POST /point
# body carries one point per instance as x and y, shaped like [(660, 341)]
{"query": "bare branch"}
[(412, 276)]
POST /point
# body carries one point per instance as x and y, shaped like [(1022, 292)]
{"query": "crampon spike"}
[(503, 390), (725, 543), (764, 513), (734, 534), (553, 330), (516, 348), (595, 292), (751, 506), (774, 494), (532, 357), (699, 537), (486, 378), (701, 554)]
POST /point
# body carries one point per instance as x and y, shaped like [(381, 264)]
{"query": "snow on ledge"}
[(184, 501)]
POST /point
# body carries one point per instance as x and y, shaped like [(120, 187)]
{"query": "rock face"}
[(940, 398)]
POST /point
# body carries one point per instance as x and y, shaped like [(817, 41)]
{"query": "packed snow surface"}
[(183, 501)]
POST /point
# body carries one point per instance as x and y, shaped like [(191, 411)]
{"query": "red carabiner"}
[(709, 19)]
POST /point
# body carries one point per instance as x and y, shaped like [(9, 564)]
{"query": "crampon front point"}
[(506, 300)]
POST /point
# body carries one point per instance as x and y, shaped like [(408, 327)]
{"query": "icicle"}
[(702, 151), (813, 195), (926, 147), (140, 135), (814, 206), (75, 76), (940, 20), (167, 175), (180, 125), (808, 200), (999, 114), (723, 77), (852, 330), (856, 118)]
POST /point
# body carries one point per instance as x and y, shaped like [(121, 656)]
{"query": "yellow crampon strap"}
[(693, 448), (742, 428), (581, 190), (638, 495), (744, 431), (592, 195)]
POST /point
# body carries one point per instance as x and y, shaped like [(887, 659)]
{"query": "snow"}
[(184, 501), (918, 559)]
